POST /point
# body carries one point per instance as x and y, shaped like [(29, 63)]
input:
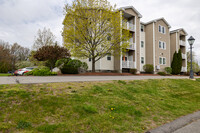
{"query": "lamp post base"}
[(191, 74)]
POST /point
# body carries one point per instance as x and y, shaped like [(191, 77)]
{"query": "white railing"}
[(182, 43), (131, 27), (131, 46), (128, 26), (128, 64), (183, 56), (183, 69)]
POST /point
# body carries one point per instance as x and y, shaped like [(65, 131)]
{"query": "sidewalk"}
[(53, 79), (185, 124)]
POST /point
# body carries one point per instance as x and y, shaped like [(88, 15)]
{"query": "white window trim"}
[(162, 29), (141, 60), (162, 58), (164, 48), (141, 44)]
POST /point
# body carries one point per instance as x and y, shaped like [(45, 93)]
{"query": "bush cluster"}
[(42, 71), (162, 73), (168, 70), (69, 66), (133, 71), (148, 68)]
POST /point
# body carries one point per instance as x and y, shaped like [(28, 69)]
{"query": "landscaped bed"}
[(112, 106)]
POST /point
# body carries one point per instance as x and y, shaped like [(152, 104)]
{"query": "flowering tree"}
[(93, 29)]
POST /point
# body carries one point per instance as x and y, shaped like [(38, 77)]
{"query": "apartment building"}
[(150, 43), (178, 41)]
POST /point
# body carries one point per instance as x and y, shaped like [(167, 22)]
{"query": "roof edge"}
[(131, 7)]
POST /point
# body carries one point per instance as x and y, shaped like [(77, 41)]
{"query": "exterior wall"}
[(175, 39), (149, 43), (136, 37), (162, 52), (143, 50), (173, 43), (107, 64)]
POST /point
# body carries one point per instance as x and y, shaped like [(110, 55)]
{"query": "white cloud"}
[(20, 19)]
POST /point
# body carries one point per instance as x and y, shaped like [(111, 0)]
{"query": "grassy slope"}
[(116, 106), (5, 74)]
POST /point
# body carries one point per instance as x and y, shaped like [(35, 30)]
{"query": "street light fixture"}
[(191, 41)]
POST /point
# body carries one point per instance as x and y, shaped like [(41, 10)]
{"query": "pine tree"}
[(179, 56), (174, 64)]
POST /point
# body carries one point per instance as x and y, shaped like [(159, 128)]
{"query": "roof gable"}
[(131, 7), (155, 20)]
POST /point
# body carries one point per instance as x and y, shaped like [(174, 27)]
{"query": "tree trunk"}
[(93, 64)]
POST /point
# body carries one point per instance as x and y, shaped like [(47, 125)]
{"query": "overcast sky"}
[(21, 19)]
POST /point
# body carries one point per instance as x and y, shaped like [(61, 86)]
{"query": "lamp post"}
[(191, 41)]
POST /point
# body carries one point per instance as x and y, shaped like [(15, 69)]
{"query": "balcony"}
[(182, 43), (183, 56), (128, 64), (128, 26), (183, 69), (131, 46)]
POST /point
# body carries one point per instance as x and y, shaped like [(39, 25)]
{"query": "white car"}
[(23, 70)]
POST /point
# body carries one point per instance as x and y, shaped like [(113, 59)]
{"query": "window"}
[(161, 29), (90, 59), (124, 58), (142, 28), (142, 60), (164, 61), (108, 56), (142, 44), (160, 60), (164, 47), (160, 44)]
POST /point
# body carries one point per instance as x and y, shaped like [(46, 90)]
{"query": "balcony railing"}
[(131, 45), (128, 64), (183, 69), (183, 56), (182, 43), (128, 26)]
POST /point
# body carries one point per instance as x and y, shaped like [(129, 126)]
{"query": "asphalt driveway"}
[(52, 79)]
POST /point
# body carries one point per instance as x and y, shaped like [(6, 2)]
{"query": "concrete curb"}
[(176, 124)]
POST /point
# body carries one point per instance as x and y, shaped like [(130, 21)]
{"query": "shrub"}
[(73, 67), (168, 70), (148, 68), (162, 73), (42, 71), (84, 66), (133, 71), (61, 62), (74, 63)]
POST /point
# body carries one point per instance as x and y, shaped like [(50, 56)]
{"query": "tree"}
[(93, 28), (5, 57), (174, 64), (179, 56), (195, 65), (51, 54), (43, 38)]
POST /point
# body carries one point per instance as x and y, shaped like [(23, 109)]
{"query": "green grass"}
[(5, 74), (115, 106)]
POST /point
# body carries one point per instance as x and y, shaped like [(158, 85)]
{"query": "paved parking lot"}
[(51, 79)]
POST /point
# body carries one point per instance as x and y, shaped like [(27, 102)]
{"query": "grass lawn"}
[(94, 107), (5, 74)]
